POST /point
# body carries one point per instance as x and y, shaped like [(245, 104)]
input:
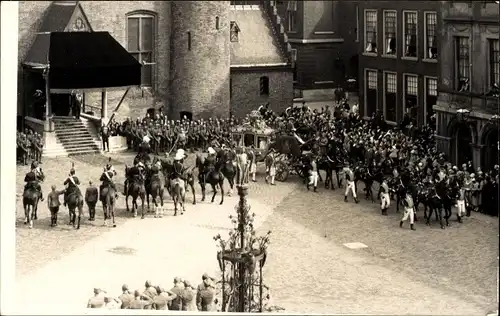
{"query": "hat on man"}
[(180, 151), (211, 150), (178, 156)]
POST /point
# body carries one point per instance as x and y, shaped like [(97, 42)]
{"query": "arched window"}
[(217, 23), (141, 34), (264, 85)]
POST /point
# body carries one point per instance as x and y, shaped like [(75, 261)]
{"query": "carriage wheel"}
[(299, 171), (281, 171)]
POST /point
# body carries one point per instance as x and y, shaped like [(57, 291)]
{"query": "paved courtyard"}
[(309, 269)]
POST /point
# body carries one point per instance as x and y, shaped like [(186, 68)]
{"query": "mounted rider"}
[(72, 183), (32, 179), (107, 179), (210, 160), (134, 173)]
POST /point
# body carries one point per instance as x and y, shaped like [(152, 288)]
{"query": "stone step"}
[(74, 136), (72, 132)]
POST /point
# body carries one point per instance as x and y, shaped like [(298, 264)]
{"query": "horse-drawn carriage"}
[(246, 137)]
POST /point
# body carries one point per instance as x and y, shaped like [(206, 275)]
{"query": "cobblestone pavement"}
[(428, 271)]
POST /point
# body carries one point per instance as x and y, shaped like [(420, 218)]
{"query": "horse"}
[(136, 190), (108, 204), (155, 189), (438, 199), (228, 167), (30, 202), (75, 201), (213, 176), (364, 175), (178, 193), (167, 168)]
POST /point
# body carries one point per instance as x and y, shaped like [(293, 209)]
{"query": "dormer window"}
[(234, 30)]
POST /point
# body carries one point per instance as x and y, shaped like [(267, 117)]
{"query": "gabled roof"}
[(61, 16), (256, 44)]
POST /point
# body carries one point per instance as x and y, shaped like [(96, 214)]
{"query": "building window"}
[(462, 64), (230, 88), (356, 32), (430, 35), (291, 15), (390, 96), (371, 31), (411, 94), (189, 40), (371, 92), (431, 96), (217, 26), (294, 64), (410, 34), (141, 43), (390, 32), (264, 85), (233, 32), (494, 63)]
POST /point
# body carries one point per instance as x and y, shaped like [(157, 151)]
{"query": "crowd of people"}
[(181, 297), (29, 146), (163, 135)]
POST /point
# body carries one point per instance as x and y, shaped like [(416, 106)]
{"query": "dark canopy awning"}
[(87, 60)]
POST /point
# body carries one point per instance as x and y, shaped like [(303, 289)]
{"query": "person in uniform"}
[(23, 149), (151, 292), (91, 197), (163, 299), (126, 297), (178, 289), (313, 176), (252, 161), (72, 183), (205, 294), (53, 204), (461, 209), (270, 166), (32, 180), (97, 301), (112, 302), (140, 301), (188, 298), (37, 146), (241, 166), (350, 186), (107, 179), (104, 132), (385, 199), (409, 211)]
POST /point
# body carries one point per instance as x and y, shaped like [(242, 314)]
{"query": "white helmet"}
[(211, 150)]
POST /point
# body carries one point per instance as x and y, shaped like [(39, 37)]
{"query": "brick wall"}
[(246, 91), (200, 75), (110, 16)]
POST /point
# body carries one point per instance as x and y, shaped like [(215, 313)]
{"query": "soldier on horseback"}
[(210, 160), (107, 179), (72, 183), (32, 179), (133, 173)]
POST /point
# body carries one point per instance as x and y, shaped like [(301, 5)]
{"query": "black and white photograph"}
[(305, 157)]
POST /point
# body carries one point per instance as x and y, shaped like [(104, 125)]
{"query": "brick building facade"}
[(323, 36), (398, 58), (185, 49), (468, 75)]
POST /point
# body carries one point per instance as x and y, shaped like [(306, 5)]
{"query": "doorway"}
[(491, 149), (61, 104), (186, 115), (463, 149)]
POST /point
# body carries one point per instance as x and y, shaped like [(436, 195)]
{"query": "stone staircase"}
[(72, 137)]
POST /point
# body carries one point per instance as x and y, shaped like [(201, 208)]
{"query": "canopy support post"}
[(119, 104), (48, 110), (104, 102)]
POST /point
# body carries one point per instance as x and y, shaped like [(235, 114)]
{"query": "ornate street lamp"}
[(463, 115), (241, 259)]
